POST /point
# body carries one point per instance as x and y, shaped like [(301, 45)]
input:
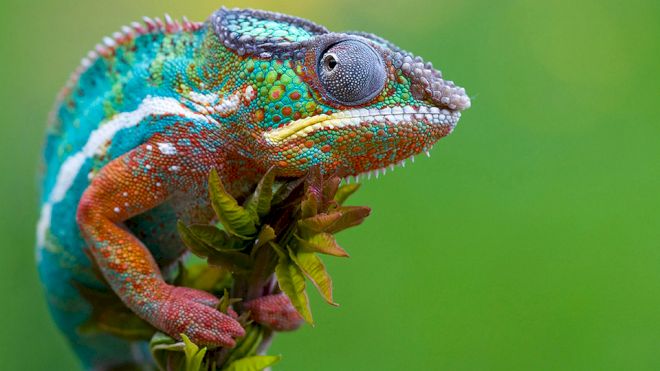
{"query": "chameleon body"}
[(147, 115)]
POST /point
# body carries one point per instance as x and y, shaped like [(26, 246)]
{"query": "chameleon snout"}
[(428, 84)]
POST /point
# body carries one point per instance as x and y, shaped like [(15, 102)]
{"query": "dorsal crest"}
[(108, 46)]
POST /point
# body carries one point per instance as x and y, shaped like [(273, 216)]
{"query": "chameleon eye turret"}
[(351, 72)]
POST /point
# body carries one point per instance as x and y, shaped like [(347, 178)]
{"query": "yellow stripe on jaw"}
[(353, 117), (280, 134)]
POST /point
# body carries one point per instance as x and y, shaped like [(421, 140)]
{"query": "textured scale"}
[(153, 108)]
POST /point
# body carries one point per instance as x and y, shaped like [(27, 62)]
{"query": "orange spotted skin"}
[(153, 109)]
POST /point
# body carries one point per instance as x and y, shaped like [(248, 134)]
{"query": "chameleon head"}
[(349, 102)]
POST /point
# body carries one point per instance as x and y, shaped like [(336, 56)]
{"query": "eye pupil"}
[(330, 62)]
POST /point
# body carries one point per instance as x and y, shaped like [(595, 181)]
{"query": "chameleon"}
[(155, 107)]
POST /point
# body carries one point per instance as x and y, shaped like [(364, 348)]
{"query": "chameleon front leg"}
[(128, 186)]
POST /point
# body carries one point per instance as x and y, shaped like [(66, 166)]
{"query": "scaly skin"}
[(153, 109)]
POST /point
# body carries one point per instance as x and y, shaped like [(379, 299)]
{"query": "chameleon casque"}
[(147, 115)]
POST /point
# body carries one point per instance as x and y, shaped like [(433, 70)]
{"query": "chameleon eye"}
[(351, 72)]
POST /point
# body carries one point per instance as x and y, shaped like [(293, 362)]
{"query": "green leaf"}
[(323, 243), (206, 277), (254, 363), (280, 253), (209, 238), (197, 246), (194, 356), (212, 236), (164, 350), (164, 341), (333, 222), (236, 262), (259, 202), (314, 269), (226, 301), (266, 234), (345, 191), (235, 219), (309, 206), (248, 345), (350, 217), (318, 223), (292, 281)]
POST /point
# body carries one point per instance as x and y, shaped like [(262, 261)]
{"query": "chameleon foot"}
[(192, 312), (275, 312)]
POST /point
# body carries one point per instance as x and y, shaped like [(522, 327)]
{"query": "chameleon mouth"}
[(357, 117)]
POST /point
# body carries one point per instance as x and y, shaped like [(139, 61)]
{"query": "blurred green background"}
[(529, 241)]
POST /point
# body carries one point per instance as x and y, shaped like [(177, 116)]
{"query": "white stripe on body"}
[(150, 106)]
